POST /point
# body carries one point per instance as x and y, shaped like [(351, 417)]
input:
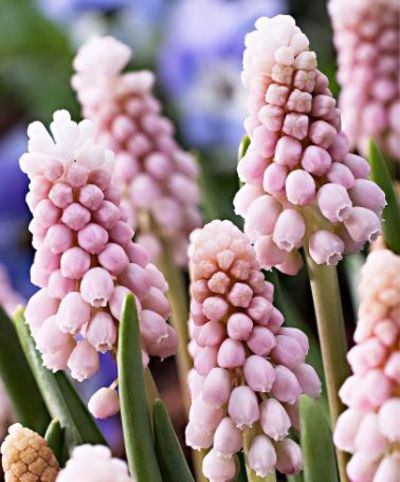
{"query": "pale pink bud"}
[(74, 263), (292, 263), (218, 468), (287, 351), (211, 333), (73, 313), (243, 406), (244, 197), (113, 258), (205, 359), (107, 214), (289, 457), (197, 437), (262, 456), (300, 188), (296, 125), (286, 387), (49, 338), (121, 233), (289, 230), (239, 326), (75, 216), (388, 470), (369, 440), (104, 403), (346, 429), (61, 195), (195, 383), (259, 373), (59, 238), (261, 341), (227, 437), (271, 116), (322, 133), (316, 160), (260, 310), (308, 379), (156, 301), (334, 202), (326, 247), (165, 347), (357, 165), (268, 254), (215, 308), (389, 419), (274, 420), (153, 327), (360, 468), (117, 299), (299, 335), (201, 413), (217, 387), (392, 368), (58, 286), (93, 238), (101, 332), (261, 216), (91, 196), (231, 354), (367, 194), (276, 321), (340, 174), (58, 360), (263, 141), (274, 180), (40, 306), (97, 287), (46, 213), (138, 254), (288, 151), (136, 279), (363, 225), (84, 361)]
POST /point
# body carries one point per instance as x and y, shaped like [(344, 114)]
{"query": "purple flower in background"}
[(61, 9), (200, 65)]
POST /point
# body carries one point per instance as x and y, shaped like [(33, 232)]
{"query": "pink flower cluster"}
[(85, 262), (9, 299), (370, 427), (158, 179), (302, 186), (94, 463), (249, 371), (367, 38)]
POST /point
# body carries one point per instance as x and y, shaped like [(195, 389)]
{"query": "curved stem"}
[(332, 336)]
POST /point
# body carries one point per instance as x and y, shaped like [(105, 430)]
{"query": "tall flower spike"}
[(94, 463), (369, 429), (249, 371), (366, 36), (302, 187), (9, 299), (85, 262), (158, 179), (26, 456)]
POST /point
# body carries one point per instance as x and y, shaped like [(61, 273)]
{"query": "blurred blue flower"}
[(62, 10), (15, 252), (200, 66)]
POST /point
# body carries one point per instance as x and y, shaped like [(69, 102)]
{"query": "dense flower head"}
[(9, 299), (249, 370), (302, 187), (94, 463), (366, 36), (370, 427), (85, 261), (26, 456), (158, 178)]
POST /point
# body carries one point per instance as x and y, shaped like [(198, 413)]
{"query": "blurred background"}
[(195, 48)]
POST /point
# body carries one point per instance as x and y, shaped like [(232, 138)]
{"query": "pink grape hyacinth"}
[(158, 179), (85, 262), (9, 298), (94, 463), (367, 38), (302, 187), (249, 371), (370, 428)]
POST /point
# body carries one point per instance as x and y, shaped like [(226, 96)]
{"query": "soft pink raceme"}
[(9, 299), (302, 186), (85, 262), (158, 178), (366, 36), (249, 371), (370, 428), (94, 463)]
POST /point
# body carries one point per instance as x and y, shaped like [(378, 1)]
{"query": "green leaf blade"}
[(55, 439)]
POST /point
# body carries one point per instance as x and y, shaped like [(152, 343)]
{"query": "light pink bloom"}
[(9, 298), (158, 179), (104, 403), (85, 262), (366, 36), (248, 369), (94, 463), (369, 428), (302, 187)]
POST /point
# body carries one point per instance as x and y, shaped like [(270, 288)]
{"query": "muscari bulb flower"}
[(249, 370), (85, 262), (158, 179), (26, 456), (369, 429), (9, 299), (94, 463), (302, 187), (366, 36)]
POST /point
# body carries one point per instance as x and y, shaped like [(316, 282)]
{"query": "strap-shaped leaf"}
[(171, 459), (17, 377), (61, 398), (316, 442), (135, 418), (391, 214), (55, 439)]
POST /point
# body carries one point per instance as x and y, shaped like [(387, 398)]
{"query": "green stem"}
[(332, 336), (248, 436)]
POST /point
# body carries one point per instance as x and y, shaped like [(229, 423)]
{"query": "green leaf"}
[(61, 398), (171, 459), (391, 214), (135, 418), (316, 443), (295, 478), (55, 439), (17, 377), (244, 145)]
